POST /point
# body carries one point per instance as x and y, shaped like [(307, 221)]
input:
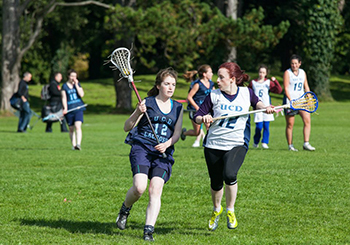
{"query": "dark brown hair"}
[(190, 76), (235, 71), (161, 75), (267, 70)]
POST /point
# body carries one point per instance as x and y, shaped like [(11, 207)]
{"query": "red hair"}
[(235, 71)]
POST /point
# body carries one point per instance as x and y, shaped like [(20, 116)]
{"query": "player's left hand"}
[(270, 109)]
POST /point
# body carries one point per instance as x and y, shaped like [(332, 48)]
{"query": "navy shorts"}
[(290, 112), (74, 116), (150, 163)]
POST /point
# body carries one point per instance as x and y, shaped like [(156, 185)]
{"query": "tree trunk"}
[(232, 12), (10, 66), (123, 93)]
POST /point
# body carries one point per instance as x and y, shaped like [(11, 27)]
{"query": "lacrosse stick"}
[(307, 102), (59, 115), (120, 58)]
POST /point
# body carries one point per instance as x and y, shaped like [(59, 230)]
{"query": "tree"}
[(322, 27), (17, 17)]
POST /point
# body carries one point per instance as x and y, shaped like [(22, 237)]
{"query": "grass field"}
[(53, 195)]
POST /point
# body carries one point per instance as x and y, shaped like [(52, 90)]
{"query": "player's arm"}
[(176, 135), (190, 95), (286, 84), (64, 101), (203, 115), (306, 84), (275, 86), (135, 117)]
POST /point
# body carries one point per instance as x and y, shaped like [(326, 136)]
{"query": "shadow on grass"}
[(340, 90), (107, 228)]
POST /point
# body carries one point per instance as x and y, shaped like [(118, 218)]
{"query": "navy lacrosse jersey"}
[(202, 92), (73, 98), (163, 124)]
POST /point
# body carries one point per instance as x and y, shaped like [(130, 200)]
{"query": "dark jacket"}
[(23, 89)]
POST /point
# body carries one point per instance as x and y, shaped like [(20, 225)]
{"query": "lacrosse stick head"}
[(307, 102), (120, 58)]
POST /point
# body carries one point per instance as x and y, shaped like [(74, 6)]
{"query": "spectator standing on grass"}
[(262, 86), (146, 155), (25, 112), (227, 140), (72, 94), (55, 101), (199, 89), (295, 85)]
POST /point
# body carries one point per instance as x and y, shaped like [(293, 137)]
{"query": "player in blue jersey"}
[(72, 94), (295, 85), (146, 158), (199, 89), (262, 86), (226, 142)]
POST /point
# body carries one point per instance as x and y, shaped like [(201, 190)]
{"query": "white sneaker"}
[(255, 145), (196, 144), (264, 146), (308, 147), (291, 148)]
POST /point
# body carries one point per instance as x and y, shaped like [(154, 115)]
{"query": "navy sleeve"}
[(253, 98), (205, 108)]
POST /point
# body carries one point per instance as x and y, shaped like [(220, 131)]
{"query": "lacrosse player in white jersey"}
[(295, 85), (227, 140), (262, 86)]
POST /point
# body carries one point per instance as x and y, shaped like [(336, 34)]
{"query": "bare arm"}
[(306, 84), (286, 84), (190, 95), (269, 109), (79, 89), (64, 101), (135, 117)]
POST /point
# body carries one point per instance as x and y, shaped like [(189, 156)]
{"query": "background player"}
[(261, 87), (295, 85)]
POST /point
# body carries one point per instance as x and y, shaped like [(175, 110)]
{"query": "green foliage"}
[(189, 33), (322, 27)]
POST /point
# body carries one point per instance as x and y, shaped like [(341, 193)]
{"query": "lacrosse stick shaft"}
[(250, 112), (148, 119), (77, 108)]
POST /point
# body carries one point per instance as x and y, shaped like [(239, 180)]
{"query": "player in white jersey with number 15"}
[(295, 85), (227, 140)]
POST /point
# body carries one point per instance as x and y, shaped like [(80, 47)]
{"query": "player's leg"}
[(306, 130), (134, 193), (155, 192), (257, 135), (79, 134), (215, 168), (266, 134), (233, 161), (289, 131), (195, 131)]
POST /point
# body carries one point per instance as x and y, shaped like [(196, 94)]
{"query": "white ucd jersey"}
[(227, 133), (296, 84), (262, 91)]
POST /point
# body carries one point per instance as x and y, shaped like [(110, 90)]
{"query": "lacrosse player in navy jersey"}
[(199, 89), (226, 142), (146, 155)]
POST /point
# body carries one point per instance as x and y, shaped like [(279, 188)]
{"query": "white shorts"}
[(263, 117)]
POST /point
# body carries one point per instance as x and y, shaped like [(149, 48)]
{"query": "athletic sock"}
[(230, 209), (217, 209)]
